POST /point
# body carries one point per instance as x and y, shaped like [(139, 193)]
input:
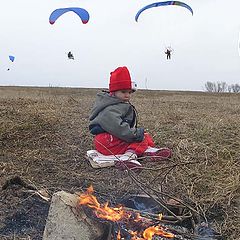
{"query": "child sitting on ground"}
[(113, 121)]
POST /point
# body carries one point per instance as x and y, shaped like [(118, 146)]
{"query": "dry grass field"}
[(44, 138)]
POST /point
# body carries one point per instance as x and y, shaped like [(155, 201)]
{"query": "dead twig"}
[(153, 197), (161, 193)]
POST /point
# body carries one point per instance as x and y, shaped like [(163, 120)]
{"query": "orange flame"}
[(158, 230), (119, 214), (104, 212), (119, 236)]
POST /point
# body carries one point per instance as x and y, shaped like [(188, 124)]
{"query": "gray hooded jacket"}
[(116, 117)]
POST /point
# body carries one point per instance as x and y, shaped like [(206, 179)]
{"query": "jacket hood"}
[(103, 100)]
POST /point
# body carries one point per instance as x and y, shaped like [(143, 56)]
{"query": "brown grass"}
[(44, 137)]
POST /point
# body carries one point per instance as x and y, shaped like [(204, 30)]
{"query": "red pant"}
[(108, 144)]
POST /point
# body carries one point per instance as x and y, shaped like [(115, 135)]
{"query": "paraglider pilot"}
[(168, 53), (70, 55), (113, 121)]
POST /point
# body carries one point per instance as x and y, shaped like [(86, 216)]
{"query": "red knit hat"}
[(120, 79)]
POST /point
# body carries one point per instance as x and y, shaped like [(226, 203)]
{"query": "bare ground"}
[(44, 138)]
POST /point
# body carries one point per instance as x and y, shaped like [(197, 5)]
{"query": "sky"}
[(205, 45)]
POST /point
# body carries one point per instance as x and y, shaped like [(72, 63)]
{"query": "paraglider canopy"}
[(158, 4), (82, 13), (11, 58)]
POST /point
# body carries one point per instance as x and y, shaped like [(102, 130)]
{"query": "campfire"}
[(128, 223), (132, 224), (135, 217)]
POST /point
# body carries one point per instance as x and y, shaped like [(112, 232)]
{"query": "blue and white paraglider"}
[(168, 50), (158, 4), (82, 14), (11, 58)]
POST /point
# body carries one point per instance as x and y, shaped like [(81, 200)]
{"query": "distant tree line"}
[(219, 87)]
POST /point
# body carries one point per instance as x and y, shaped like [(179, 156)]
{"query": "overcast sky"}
[(205, 44)]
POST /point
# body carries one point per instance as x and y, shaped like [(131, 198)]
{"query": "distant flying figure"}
[(168, 52), (70, 56), (12, 59)]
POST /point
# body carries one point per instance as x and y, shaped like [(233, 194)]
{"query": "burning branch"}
[(125, 217)]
